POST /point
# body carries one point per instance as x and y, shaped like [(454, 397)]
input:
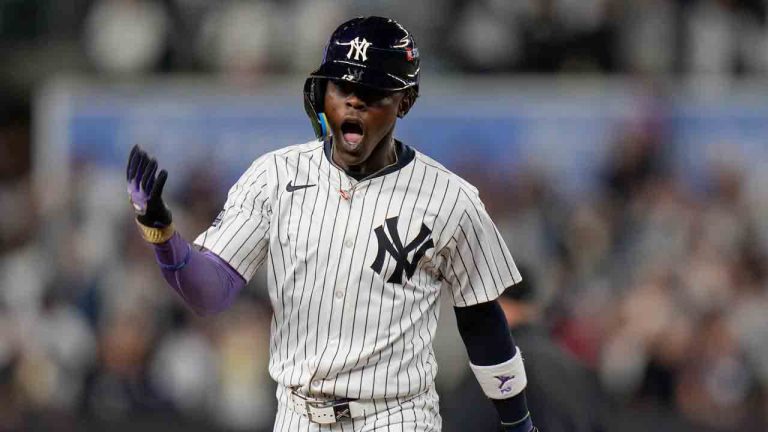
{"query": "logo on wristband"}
[(503, 379)]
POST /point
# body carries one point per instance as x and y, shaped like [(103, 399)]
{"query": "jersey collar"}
[(405, 155)]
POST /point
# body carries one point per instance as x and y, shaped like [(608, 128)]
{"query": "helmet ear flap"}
[(409, 99), (314, 97)]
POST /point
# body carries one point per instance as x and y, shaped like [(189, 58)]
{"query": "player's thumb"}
[(157, 189)]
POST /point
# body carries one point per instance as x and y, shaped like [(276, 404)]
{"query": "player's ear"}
[(409, 98)]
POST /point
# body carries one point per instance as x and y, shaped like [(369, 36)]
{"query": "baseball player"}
[(361, 234)]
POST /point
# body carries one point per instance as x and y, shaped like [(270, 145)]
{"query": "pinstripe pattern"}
[(340, 327)]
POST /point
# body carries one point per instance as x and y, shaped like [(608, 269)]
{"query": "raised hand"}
[(145, 189)]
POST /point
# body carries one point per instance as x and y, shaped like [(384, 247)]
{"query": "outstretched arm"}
[(206, 282), (496, 362)]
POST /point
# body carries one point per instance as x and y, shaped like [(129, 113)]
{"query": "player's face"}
[(361, 120)]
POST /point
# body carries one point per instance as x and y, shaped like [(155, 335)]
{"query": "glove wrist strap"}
[(156, 235)]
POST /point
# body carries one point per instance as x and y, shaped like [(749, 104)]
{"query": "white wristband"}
[(502, 381)]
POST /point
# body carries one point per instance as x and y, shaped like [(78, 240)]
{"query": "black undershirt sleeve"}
[(483, 328)]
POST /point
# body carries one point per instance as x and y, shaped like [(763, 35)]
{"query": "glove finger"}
[(141, 167), (149, 175), (152, 178), (157, 188), (132, 163)]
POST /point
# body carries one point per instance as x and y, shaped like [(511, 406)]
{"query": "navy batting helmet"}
[(372, 51)]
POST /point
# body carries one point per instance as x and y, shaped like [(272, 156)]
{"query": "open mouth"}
[(352, 131)]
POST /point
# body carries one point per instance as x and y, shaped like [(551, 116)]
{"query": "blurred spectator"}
[(246, 398), (11, 405), (726, 37), (237, 38), (717, 387), (23, 272), (529, 219), (648, 27), (636, 160), (59, 350), (486, 36), (310, 22), (126, 36), (119, 387), (545, 36), (185, 367)]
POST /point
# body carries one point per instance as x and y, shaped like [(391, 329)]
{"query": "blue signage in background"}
[(731, 133), (566, 136)]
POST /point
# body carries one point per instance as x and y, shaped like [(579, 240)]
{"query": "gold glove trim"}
[(156, 235)]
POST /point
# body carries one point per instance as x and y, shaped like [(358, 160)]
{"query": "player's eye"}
[(368, 95), (340, 87), (375, 97), (344, 88)]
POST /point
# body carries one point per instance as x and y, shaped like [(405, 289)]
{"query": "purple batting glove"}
[(145, 189)]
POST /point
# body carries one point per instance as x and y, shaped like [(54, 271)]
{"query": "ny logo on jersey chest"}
[(399, 252)]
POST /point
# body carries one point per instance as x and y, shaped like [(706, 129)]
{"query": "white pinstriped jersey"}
[(355, 268)]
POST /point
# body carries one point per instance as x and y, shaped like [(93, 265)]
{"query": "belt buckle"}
[(327, 412), (320, 412)]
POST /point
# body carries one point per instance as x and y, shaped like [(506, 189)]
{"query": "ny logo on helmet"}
[(399, 252), (357, 47)]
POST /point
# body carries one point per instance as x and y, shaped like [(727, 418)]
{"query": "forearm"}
[(202, 279), (205, 282), (484, 330)]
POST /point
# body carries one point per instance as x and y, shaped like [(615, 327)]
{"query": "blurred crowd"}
[(242, 39), (656, 285)]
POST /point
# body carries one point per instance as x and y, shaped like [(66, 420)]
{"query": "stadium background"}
[(620, 146)]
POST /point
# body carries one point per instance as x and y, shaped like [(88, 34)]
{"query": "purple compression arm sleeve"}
[(206, 282)]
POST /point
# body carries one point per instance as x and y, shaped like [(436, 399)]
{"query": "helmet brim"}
[(361, 74)]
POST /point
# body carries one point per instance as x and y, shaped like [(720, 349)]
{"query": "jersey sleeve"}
[(480, 266), (240, 233)]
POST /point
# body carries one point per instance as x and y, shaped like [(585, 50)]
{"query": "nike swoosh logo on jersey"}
[(291, 188)]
